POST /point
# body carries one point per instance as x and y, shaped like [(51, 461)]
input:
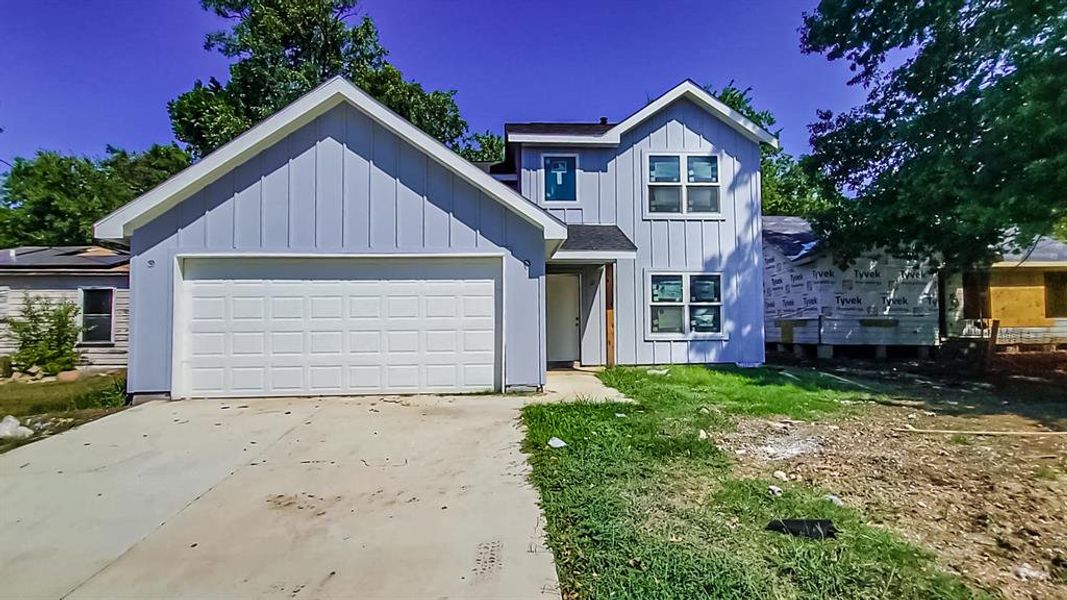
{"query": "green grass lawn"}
[(63, 404), (638, 506)]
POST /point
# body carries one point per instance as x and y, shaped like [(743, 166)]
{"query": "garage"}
[(322, 325)]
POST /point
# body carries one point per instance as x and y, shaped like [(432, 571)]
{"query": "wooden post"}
[(609, 313)]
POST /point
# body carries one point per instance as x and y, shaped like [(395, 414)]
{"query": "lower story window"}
[(96, 309), (683, 304), (1056, 294)]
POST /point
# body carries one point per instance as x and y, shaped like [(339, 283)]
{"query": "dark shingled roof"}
[(607, 238), (792, 236), (558, 128), (62, 257), (1046, 250)]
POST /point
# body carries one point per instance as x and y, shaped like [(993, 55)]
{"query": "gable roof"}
[(792, 236), (123, 221), (612, 136)]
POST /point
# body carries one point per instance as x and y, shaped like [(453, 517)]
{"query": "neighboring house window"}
[(561, 177), (683, 184), (97, 308), (684, 304), (1056, 294), (976, 295)]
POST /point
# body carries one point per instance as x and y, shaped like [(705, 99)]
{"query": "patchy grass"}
[(638, 506), (49, 408)]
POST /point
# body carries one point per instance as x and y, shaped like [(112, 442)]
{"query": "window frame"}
[(1049, 277), (683, 184), (685, 304), (544, 174), (82, 314)]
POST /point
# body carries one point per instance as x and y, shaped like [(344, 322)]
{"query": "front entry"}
[(562, 292)]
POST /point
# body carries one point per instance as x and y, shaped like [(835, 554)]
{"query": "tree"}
[(960, 148), (54, 199), (788, 186), (490, 148), (281, 49)]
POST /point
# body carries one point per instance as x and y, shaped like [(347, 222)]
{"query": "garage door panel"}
[(324, 326)]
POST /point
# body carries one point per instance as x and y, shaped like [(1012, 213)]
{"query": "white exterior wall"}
[(878, 300)]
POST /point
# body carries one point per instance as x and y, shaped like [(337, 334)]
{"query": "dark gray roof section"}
[(558, 128), (792, 236), (1045, 250), (62, 257), (601, 238)]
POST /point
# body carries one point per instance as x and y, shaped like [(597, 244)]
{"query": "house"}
[(96, 279), (335, 248), (878, 301), (1026, 292)]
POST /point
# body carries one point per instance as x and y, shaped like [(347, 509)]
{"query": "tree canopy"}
[(282, 49), (789, 186), (54, 199), (960, 148)]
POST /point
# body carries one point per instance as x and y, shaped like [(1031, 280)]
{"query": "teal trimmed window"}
[(561, 178)]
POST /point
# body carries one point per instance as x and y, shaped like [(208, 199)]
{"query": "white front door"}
[(313, 326), (563, 323)]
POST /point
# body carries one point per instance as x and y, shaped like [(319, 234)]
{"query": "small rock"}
[(1028, 572), (774, 490), (69, 375), (658, 372), (780, 475), (11, 429), (834, 500), (740, 452), (556, 443), (620, 416), (34, 370), (703, 434), (704, 410)]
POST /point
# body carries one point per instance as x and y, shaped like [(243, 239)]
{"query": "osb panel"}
[(1017, 298)]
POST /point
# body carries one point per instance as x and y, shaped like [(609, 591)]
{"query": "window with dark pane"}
[(561, 178), (705, 319), (705, 288), (96, 314)]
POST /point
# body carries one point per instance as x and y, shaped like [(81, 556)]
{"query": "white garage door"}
[(281, 326)]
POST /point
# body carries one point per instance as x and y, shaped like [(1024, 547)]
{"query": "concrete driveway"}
[(278, 498)]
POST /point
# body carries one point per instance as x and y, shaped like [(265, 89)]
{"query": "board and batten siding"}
[(15, 288), (612, 190), (340, 184)]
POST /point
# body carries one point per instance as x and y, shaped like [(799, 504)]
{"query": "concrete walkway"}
[(303, 498), (568, 385)]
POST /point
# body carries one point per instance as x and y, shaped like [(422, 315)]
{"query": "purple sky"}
[(78, 75)]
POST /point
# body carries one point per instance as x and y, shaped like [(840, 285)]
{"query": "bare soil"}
[(992, 508)]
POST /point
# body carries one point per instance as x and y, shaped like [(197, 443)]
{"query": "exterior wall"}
[(1016, 299), (341, 184), (877, 300), (14, 289), (612, 190)]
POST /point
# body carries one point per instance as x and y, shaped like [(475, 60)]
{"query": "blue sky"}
[(78, 75)]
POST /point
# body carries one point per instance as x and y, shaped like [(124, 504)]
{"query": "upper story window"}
[(97, 310), (683, 184), (561, 177)]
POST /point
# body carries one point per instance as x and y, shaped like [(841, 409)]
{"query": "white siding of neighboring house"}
[(14, 289)]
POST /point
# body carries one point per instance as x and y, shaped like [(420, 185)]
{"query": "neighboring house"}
[(1026, 292), (96, 279), (878, 301), (336, 249)]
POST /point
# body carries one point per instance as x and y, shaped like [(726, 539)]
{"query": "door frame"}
[(579, 322), (179, 310)]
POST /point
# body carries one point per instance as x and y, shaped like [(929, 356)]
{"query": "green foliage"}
[(788, 186), (45, 333), (639, 506), (281, 49), (490, 148), (961, 145), (54, 199), (6, 369)]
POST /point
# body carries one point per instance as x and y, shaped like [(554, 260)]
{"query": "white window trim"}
[(683, 156), (81, 315), (685, 303), (577, 175)]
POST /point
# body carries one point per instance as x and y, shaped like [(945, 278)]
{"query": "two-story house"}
[(335, 248)]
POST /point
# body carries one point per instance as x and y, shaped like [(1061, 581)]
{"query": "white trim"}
[(82, 314), (543, 174), (683, 184), (179, 309), (121, 223), (684, 304), (593, 255), (687, 89)]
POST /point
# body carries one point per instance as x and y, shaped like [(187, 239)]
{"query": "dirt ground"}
[(993, 508)]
